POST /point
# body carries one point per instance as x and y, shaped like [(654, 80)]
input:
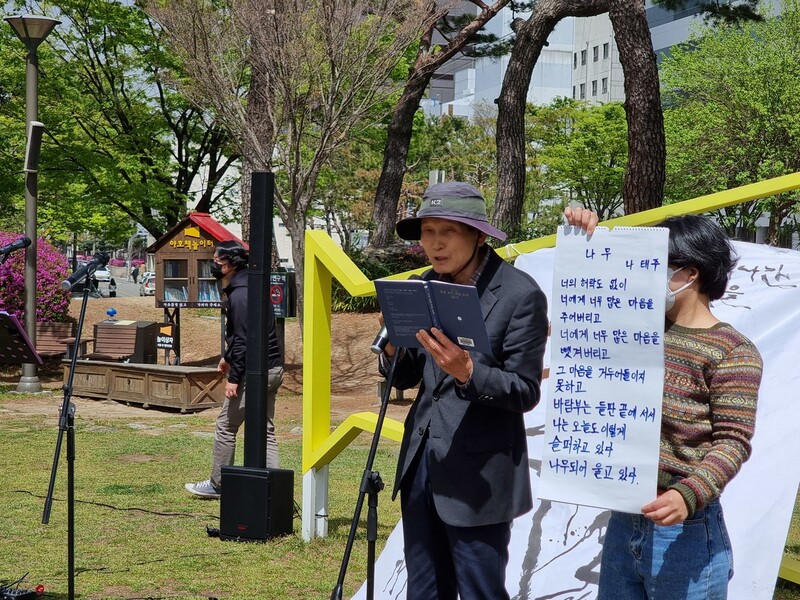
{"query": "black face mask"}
[(216, 271)]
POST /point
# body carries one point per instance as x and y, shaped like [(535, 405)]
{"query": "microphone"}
[(379, 345), (21, 243), (99, 260)]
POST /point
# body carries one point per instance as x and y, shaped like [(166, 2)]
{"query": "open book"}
[(409, 305)]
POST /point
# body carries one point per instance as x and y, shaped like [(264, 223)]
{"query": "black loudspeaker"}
[(33, 146), (256, 504), (259, 318)]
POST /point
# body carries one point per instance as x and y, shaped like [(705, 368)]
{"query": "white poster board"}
[(555, 548), (603, 409)]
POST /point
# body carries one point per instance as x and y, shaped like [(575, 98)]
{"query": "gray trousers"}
[(229, 421)]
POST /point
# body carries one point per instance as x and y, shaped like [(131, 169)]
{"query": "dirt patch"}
[(354, 377)]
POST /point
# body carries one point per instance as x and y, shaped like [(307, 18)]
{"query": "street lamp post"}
[(32, 30)]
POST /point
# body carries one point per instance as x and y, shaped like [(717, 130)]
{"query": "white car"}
[(102, 274), (147, 284)]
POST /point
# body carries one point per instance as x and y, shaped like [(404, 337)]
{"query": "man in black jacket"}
[(230, 267)]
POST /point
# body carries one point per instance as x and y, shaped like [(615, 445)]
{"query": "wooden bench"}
[(184, 388), (52, 338), (112, 343)]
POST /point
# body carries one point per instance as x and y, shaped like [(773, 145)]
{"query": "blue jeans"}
[(688, 561)]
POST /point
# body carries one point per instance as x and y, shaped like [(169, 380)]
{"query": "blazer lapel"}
[(490, 281)]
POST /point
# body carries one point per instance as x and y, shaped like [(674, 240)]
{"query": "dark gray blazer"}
[(479, 458)]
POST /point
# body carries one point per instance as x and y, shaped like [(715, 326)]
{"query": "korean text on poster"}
[(603, 411)]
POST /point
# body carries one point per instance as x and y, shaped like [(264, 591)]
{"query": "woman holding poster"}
[(678, 547)]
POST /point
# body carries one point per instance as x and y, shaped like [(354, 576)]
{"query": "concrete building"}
[(596, 71), (581, 61)]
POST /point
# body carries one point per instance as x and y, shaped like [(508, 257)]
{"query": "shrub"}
[(376, 264), (52, 302), (121, 262)]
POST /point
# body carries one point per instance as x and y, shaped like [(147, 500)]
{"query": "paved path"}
[(125, 289)]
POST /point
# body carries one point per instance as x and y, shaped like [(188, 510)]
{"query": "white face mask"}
[(672, 293)]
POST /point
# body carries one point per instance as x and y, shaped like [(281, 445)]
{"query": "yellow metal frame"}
[(324, 260)]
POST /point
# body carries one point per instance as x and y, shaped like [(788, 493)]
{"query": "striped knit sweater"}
[(711, 385)]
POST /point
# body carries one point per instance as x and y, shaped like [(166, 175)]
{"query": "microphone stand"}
[(66, 425), (371, 485)]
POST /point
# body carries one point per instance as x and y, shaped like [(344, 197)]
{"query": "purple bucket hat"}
[(454, 201)]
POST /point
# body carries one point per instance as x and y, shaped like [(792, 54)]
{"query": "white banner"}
[(555, 548)]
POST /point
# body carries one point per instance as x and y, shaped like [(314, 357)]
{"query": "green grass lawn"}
[(138, 534), (785, 590)]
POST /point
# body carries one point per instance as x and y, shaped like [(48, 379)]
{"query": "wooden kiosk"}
[(183, 259), (184, 256)]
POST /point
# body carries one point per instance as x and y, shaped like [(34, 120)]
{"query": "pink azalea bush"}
[(52, 302), (121, 262)]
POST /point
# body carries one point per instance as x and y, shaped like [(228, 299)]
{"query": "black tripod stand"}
[(66, 425), (371, 485)]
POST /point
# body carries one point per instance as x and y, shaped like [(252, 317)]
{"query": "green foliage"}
[(732, 115), (344, 194), (389, 261), (543, 219), (719, 12), (481, 43), (580, 151), (465, 150), (141, 535), (122, 145), (576, 152)]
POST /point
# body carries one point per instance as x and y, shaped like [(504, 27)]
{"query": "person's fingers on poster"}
[(581, 217), (450, 357), (668, 508)]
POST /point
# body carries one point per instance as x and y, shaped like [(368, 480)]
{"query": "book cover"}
[(414, 304)]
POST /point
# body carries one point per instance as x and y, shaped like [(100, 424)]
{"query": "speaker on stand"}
[(257, 502)]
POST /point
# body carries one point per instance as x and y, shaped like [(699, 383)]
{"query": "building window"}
[(574, 60), (594, 87), (605, 85), (583, 57), (583, 91), (595, 53), (606, 50), (573, 92)]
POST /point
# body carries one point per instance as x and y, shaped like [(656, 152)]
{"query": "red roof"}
[(203, 220)]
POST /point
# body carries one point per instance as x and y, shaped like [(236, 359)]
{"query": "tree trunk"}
[(780, 209), (246, 183), (252, 161), (297, 232), (645, 173), (510, 136), (384, 213)]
